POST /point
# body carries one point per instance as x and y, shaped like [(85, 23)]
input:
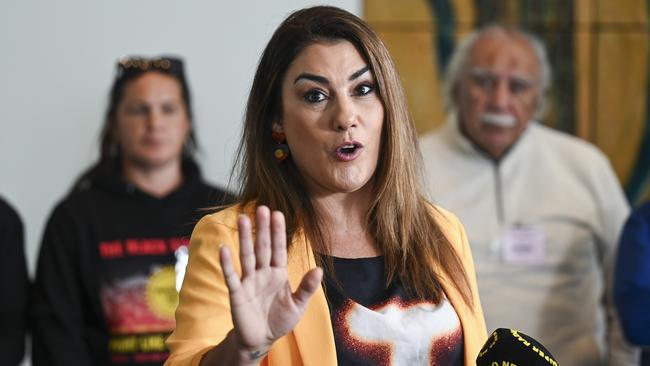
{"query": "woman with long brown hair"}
[(330, 195), (105, 288)]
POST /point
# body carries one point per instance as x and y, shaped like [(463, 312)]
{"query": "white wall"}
[(57, 62)]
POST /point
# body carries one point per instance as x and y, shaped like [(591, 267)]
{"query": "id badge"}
[(524, 244)]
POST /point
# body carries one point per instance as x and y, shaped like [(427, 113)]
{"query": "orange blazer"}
[(203, 314)]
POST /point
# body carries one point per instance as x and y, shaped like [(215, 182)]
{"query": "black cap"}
[(511, 347)]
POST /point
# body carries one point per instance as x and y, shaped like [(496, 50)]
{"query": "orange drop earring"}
[(281, 150)]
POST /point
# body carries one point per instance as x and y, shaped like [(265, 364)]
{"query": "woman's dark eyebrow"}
[(312, 77), (323, 80), (358, 73)]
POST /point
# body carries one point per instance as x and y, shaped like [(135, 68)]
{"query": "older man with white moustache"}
[(542, 209)]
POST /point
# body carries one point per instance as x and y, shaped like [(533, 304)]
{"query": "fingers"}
[(246, 252), (232, 279), (263, 237), (278, 240), (307, 287), (270, 241)]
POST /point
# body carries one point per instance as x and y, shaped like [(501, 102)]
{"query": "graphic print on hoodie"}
[(139, 295)]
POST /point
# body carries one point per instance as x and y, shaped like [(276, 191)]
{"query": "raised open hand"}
[(262, 305)]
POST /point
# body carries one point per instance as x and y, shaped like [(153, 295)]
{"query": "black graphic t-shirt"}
[(378, 325)]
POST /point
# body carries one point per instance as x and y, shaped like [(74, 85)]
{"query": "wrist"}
[(248, 355)]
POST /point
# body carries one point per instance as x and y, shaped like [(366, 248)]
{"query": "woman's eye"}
[(314, 96), (364, 89), (136, 110), (169, 108)]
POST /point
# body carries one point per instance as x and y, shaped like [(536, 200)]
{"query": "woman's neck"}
[(344, 218), (157, 181)]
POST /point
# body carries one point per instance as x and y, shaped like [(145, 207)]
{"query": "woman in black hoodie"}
[(113, 251)]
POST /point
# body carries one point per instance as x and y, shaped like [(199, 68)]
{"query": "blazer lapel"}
[(313, 334)]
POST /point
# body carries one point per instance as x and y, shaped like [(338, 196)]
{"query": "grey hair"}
[(459, 59)]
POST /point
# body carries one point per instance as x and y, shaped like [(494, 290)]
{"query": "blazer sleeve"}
[(203, 315)]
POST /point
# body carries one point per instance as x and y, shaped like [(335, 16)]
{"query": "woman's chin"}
[(152, 161)]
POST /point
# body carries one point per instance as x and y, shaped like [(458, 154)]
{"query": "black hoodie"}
[(105, 289)]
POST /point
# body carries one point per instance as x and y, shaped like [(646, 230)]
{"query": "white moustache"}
[(499, 119)]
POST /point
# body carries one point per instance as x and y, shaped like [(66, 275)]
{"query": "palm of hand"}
[(264, 299), (263, 308)]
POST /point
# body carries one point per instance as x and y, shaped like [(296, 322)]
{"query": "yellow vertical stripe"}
[(584, 17)]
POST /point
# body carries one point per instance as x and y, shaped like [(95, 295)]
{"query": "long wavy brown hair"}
[(399, 218)]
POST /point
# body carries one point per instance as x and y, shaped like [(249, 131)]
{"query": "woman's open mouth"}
[(349, 151)]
